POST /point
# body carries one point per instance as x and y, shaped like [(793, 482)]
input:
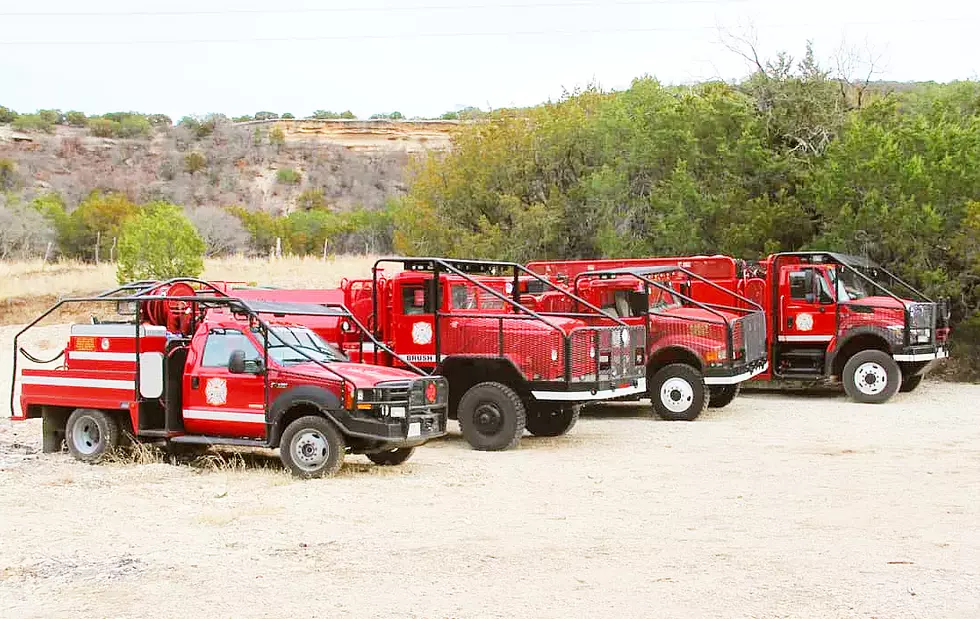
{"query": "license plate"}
[(414, 429)]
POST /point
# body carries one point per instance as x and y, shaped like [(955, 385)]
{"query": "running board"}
[(188, 439)]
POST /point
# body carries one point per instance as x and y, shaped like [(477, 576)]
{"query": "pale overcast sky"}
[(424, 57)]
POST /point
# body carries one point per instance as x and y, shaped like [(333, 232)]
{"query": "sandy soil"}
[(776, 506)]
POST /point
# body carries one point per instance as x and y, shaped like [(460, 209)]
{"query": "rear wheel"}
[(871, 376), (312, 447), (91, 434), (392, 457), (722, 395), (491, 416), (909, 383), (545, 419), (678, 393)]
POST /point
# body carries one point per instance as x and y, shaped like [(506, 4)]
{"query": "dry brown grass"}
[(28, 288)]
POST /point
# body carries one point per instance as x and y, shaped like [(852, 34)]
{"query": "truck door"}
[(806, 305), (413, 321), (218, 402)]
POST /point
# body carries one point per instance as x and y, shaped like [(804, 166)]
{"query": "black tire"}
[(871, 377), (392, 457), (547, 419), (910, 383), (722, 395), (312, 447), (491, 416), (91, 434), (678, 393)]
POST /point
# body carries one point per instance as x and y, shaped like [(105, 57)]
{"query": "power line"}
[(434, 35), (368, 9)]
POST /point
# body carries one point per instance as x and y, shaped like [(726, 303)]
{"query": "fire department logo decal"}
[(421, 333), (216, 391), (804, 322)]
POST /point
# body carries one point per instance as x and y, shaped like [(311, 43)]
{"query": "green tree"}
[(76, 119), (348, 115), (287, 116), (92, 229), (7, 115), (277, 136), (159, 243), (103, 127), (311, 199), (33, 122), (325, 115)]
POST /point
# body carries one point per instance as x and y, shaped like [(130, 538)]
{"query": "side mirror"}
[(236, 362)]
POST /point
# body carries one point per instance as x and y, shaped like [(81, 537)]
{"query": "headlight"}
[(554, 355), (922, 336), (624, 337)]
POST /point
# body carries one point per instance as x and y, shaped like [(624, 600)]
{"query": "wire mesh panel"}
[(749, 336), (536, 350), (606, 353)]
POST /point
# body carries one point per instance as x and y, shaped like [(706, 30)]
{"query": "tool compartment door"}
[(217, 402)]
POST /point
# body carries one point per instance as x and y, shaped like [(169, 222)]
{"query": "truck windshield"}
[(851, 286), (310, 344)]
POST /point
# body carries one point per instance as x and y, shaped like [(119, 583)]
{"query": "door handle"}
[(823, 310), (195, 382)]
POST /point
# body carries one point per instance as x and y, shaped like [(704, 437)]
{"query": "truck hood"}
[(697, 313), (363, 375), (880, 302)]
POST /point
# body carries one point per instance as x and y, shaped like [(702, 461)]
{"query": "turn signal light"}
[(348, 395)]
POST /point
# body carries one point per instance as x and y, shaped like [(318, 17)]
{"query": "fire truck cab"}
[(512, 364), (698, 353), (199, 367)]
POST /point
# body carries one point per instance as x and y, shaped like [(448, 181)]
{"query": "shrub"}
[(134, 127), (96, 222), (194, 162), (33, 122), (311, 199), (325, 115), (392, 116), (276, 136), (287, 116), (102, 127), (159, 243), (53, 117), (8, 174), (7, 115), (263, 228), (266, 116), (159, 120), (242, 119), (222, 232), (349, 115), (76, 119), (288, 176)]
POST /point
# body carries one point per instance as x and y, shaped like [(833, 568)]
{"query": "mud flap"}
[(53, 422)]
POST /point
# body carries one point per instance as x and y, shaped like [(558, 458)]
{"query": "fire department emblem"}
[(804, 322), (421, 333), (216, 391), (104, 343)]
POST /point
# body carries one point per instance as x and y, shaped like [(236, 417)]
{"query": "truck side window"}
[(797, 285), (464, 297), (415, 300), (221, 343)]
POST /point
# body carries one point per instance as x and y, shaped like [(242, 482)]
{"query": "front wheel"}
[(392, 457), (871, 377), (909, 383), (312, 447), (678, 393), (491, 416), (552, 420), (722, 395), (91, 434)]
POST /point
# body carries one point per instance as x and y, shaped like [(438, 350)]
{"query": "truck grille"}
[(601, 353), (749, 335)]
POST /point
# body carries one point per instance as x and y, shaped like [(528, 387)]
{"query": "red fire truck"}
[(511, 365), (698, 353), (830, 315), (188, 364)]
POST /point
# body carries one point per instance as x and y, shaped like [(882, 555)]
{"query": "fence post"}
[(98, 241)]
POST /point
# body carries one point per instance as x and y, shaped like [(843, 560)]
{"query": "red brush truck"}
[(200, 367), (698, 353), (509, 365), (830, 315)]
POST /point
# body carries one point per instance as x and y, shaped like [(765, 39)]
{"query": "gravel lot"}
[(777, 506)]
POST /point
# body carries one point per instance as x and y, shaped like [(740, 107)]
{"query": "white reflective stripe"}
[(805, 338), (64, 381), (102, 356), (219, 415), (738, 378), (582, 396), (117, 330), (942, 353)]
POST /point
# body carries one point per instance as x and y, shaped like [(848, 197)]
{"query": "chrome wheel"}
[(870, 378), (676, 394), (309, 450)]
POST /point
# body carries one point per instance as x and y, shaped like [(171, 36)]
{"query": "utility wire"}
[(422, 35), (367, 9)]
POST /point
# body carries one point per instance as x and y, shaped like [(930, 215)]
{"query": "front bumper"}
[(417, 427), (930, 353), (736, 374)]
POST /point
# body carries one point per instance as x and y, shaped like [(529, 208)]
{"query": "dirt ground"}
[(777, 506)]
